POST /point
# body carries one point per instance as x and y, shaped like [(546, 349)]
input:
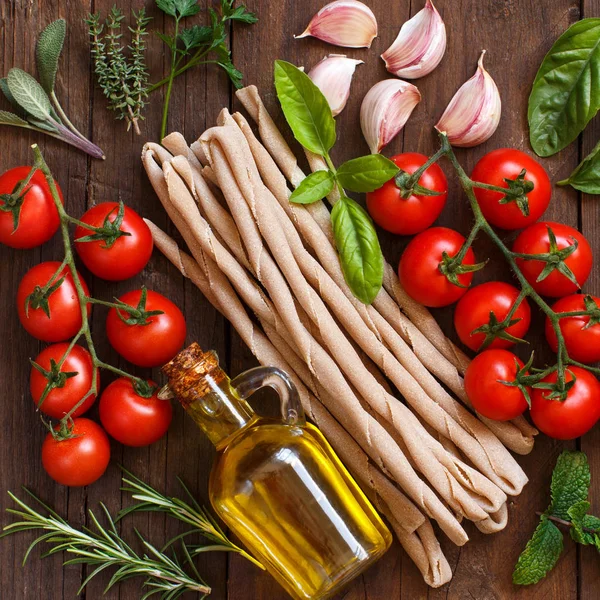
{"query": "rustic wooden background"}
[(516, 34)]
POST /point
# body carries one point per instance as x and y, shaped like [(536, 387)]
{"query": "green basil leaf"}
[(28, 93), (315, 187), (47, 52), (305, 108), (366, 173), (359, 250), (8, 118), (566, 90), (586, 177)]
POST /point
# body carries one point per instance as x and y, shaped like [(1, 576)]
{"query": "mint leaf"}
[(540, 555), (47, 53), (584, 527), (313, 188), (570, 483), (366, 173)]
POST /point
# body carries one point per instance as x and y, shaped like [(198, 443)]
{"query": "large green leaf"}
[(586, 177), (313, 188), (566, 91), (47, 52), (28, 94), (305, 108), (366, 173), (570, 483), (359, 250)]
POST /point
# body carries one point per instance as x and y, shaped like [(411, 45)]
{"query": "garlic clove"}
[(333, 76), (474, 112), (385, 109), (420, 45), (348, 23)]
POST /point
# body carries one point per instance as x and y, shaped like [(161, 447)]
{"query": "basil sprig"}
[(309, 117)]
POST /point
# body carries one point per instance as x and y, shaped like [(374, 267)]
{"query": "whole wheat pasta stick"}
[(517, 435), (240, 171), (376, 442)]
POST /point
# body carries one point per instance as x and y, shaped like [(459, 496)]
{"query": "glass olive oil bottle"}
[(277, 483)]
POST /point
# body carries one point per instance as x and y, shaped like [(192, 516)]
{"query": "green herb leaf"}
[(235, 76), (305, 108), (359, 250), (570, 483), (8, 118), (28, 93), (586, 176), (242, 15), (47, 52), (540, 555), (179, 8), (315, 187), (366, 173), (196, 36), (566, 91)]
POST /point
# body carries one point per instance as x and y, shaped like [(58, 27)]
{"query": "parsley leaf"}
[(179, 8), (196, 36)]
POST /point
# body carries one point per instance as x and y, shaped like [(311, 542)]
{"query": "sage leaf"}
[(305, 108), (570, 483), (28, 93), (314, 188), (359, 250), (366, 173), (47, 52), (45, 125), (8, 118), (566, 90), (586, 177), (6, 91)]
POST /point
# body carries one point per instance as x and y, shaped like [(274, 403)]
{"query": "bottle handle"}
[(254, 379)]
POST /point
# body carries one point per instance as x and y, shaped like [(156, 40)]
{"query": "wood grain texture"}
[(516, 33)]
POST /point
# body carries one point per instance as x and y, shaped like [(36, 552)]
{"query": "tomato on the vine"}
[(486, 306), (51, 315), (420, 267), (483, 384), (146, 338), (407, 216), (567, 262), (570, 418), (30, 218), (503, 168), (581, 337), (79, 460), (131, 418), (123, 247), (71, 383)]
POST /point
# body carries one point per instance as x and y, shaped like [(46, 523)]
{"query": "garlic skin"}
[(385, 110), (420, 45), (473, 114), (333, 76), (347, 23)]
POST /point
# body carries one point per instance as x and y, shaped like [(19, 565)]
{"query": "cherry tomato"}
[(474, 308), (583, 345), (535, 240), (419, 267), (118, 256), (151, 344), (570, 418), (70, 389), (63, 304), (507, 163), (38, 218), (132, 419), (407, 216), (487, 394), (79, 460)]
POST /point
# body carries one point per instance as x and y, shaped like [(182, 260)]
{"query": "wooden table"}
[(516, 34)]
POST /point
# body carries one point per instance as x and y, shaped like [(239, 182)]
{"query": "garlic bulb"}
[(348, 23), (333, 76), (474, 112), (385, 109), (420, 45)]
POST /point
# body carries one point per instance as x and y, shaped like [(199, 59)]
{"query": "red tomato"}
[(121, 256), (70, 390), (535, 240), (63, 304), (583, 345), (38, 218), (571, 418), (487, 394), (416, 213), (154, 343), (419, 267), (474, 308), (79, 460), (132, 419), (507, 163)]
